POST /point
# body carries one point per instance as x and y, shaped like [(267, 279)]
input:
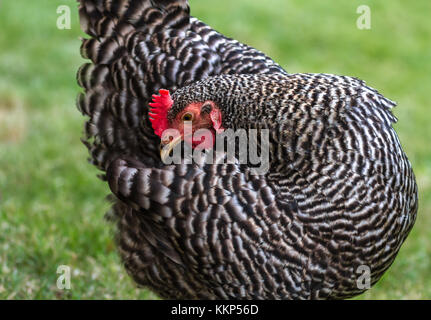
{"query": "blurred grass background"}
[(52, 204)]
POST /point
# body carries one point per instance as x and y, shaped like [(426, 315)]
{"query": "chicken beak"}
[(166, 148)]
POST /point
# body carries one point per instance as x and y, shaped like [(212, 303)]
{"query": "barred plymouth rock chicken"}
[(339, 196)]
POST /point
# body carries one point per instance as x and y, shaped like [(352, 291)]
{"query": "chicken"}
[(339, 194)]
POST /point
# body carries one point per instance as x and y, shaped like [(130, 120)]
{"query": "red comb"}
[(159, 111)]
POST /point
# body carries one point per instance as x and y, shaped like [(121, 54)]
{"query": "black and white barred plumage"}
[(340, 192)]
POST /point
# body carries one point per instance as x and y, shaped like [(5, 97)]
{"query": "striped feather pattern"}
[(340, 192)]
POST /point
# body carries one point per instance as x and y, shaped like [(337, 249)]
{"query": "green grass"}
[(52, 204)]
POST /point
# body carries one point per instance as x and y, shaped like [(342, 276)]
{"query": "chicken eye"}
[(187, 116)]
